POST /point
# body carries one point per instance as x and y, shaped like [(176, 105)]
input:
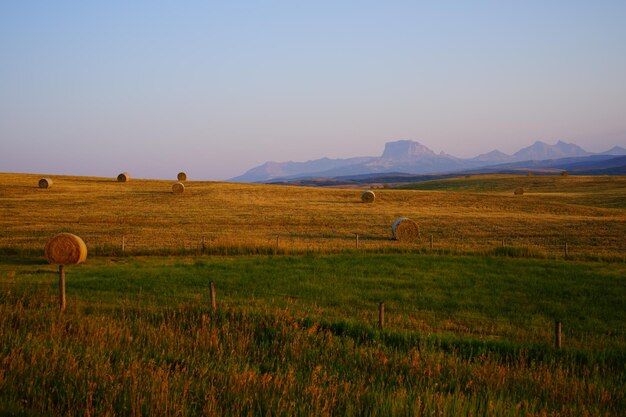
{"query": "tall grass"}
[(297, 336), (187, 361)]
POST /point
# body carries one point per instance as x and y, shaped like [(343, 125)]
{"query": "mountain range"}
[(411, 157)]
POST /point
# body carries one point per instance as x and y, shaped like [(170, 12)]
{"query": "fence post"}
[(357, 240), (431, 242), (502, 242), (123, 243), (381, 315), (566, 249), (557, 335), (276, 244), (213, 303), (61, 288)]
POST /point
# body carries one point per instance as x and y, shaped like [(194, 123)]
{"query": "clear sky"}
[(216, 87)]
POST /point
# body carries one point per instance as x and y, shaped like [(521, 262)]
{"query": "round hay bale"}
[(181, 176), (65, 249), (45, 183), (519, 191), (368, 196), (405, 230), (178, 188), (564, 174), (123, 177)]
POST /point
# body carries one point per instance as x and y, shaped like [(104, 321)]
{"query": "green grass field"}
[(298, 335), (469, 326)]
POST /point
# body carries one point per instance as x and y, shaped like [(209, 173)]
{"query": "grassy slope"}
[(590, 216), (514, 298), (465, 336), (597, 191)]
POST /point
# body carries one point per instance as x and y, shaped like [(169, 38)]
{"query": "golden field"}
[(464, 214), (300, 335)]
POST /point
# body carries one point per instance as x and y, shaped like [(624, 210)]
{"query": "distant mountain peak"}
[(411, 157), (405, 149), (540, 151), (615, 150), (493, 156)]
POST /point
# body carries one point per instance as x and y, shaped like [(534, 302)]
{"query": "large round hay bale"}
[(368, 196), (178, 188), (65, 249), (519, 191), (564, 174), (45, 183), (181, 176), (405, 230), (123, 177)]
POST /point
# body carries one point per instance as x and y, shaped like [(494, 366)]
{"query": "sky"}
[(215, 88)]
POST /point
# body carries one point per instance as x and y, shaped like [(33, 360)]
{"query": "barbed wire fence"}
[(601, 246)]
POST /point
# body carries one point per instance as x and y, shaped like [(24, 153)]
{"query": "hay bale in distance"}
[(181, 176), (65, 249), (123, 177), (45, 183), (564, 174), (405, 230), (368, 196), (178, 188), (519, 191)]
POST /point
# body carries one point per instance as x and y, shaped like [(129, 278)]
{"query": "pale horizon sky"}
[(216, 88)]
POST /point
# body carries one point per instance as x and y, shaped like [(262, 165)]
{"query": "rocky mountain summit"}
[(410, 157)]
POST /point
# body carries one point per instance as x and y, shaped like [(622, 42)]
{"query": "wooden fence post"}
[(381, 315), (566, 249), (357, 241), (123, 243), (431, 242), (276, 244), (61, 288), (557, 335), (213, 303), (502, 242)]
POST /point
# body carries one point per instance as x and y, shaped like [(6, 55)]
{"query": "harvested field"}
[(588, 213)]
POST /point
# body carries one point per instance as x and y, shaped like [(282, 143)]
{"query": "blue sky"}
[(214, 88)]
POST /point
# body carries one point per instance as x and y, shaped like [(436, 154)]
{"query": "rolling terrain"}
[(468, 330), (470, 214)]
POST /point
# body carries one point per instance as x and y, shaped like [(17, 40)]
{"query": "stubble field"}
[(475, 214)]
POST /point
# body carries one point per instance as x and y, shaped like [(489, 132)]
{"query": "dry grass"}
[(65, 249), (178, 188), (405, 230), (588, 213), (45, 183), (368, 196)]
